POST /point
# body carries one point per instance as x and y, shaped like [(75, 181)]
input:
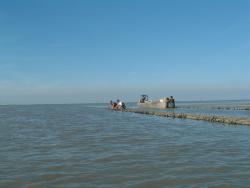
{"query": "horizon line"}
[(83, 103)]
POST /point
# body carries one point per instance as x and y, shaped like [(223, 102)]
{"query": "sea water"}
[(87, 145)]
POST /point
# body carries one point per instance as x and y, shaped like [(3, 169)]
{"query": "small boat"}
[(117, 106), (117, 109), (161, 103)]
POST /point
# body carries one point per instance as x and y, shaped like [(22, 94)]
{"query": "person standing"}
[(168, 101), (172, 102)]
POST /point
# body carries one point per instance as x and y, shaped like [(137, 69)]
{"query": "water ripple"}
[(88, 146)]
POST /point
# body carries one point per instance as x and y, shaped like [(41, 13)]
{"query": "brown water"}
[(89, 146)]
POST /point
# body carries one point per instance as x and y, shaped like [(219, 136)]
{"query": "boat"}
[(117, 109), (161, 103), (117, 106)]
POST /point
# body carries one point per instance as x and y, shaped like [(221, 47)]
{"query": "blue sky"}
[(62, 51)]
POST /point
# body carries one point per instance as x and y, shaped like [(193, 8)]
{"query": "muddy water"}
[(90, 146)]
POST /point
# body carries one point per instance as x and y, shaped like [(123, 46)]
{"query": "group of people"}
[(118, 105), (170, 102)]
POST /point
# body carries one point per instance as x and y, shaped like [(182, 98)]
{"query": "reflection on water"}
[(90, 146)]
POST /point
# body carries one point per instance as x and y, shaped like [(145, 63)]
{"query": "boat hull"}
[(161, 104)]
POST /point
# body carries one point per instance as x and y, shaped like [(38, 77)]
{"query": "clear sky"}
[(74, 51)]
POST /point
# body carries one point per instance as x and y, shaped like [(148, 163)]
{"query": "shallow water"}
[(90, 146), (219, 108)]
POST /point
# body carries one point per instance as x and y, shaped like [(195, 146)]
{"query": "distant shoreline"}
[(86, 103)]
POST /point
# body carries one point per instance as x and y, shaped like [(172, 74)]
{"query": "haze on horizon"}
[(77, 51)]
